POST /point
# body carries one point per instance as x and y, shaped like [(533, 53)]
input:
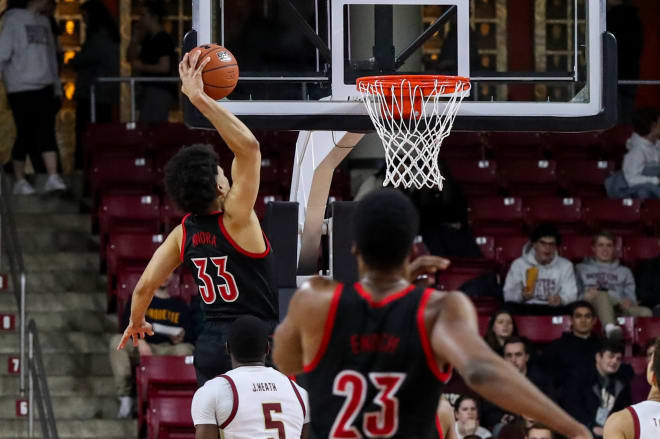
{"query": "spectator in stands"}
[(640, 175), (639, 386), (574, 350), (516, 429), (28, 64), (516, 352), (172, 325), (371, 183), (539, 431), (648, 283), (467, 418), (541, 281), (500, 327), (98, 56), (609, 286), (590, 397), (152, 53)]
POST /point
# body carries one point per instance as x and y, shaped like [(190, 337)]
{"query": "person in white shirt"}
[(467, 419), (251, 400), (640, 421)]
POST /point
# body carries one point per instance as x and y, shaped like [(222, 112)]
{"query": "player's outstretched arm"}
[(246, 168), (619, 425), (455, 336), (164, 260)]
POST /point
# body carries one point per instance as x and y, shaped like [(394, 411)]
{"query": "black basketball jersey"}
[(374, 374), (231, 281)]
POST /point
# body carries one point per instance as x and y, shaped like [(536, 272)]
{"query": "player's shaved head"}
[(190, 178), (248, 339), (385, 224)]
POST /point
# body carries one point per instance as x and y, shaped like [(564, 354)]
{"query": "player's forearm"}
[(498, 382), (142, 296), (238, 137)]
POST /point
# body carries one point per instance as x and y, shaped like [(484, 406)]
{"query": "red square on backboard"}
[(21, 408), (13, 365)]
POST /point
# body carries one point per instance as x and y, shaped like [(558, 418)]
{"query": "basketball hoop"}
[(412, 115)]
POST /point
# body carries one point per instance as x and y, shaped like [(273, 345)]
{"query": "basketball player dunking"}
[(640, 421), (220, 238), (377, 353)]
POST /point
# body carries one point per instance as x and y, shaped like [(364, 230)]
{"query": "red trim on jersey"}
[(380, 303), (302, 403), (438, 426), (183, 241), (635, 421), (238, 247), (426, 343), (327, 330), (234, 408)]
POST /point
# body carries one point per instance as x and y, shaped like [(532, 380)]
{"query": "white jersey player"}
[(640, 421), (251, 401)]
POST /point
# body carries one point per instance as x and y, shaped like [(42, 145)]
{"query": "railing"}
[(9, 239)]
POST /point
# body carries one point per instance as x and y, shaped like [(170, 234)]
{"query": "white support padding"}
[(318, 153)]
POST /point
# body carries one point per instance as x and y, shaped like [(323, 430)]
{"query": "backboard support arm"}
[(308, 31)]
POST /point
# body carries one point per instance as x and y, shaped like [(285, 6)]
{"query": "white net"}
[(412, 119)]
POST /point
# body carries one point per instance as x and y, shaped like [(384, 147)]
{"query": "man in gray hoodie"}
[(541, 281), (609, 286)]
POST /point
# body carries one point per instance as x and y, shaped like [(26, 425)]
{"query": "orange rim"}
[(427, 83)]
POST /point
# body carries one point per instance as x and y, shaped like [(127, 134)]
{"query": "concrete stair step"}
[(52, 240), (54, 302), (59, 221), (64, 260), (84, 365), (65, 386), (44, 204), (72, 407), (88, 321), (59, 342), (64, 281), (82, 429)]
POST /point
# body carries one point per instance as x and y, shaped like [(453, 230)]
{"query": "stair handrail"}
[(37, 375)]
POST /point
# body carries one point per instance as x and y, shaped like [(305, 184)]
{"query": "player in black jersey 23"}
[(220, 238), (378, 352)]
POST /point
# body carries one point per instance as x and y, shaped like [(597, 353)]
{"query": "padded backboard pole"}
[(318, 153)]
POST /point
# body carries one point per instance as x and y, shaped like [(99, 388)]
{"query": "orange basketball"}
[(220, 75)]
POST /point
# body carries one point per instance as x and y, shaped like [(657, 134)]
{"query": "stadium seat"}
[(463, 145), (529, 177), (565, 213), (262, 202), (574, 146), (614, 141), (638, 364), (170, 215), (188, 285), (651, 215), (509, 247), (169, 418), (619, 216), (483, 320), (646, 328), (639, 248), (508, 145), (129, 250), (585, 178), (486, 245), (106, 139), (542, 329), (164, 376), (496, 215), (578, 247), (127, 279), (476, 177)]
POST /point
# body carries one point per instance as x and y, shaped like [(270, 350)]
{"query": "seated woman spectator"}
[(541, 282), (467, 419), (500, 327), (609, 286), (640, 176)]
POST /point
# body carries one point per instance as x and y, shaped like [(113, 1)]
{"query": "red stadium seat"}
[(620, 216), (124, 174), (127, 279), (483, 323), (577, 247), (164, 376), (614, 140), (486, 306), (638, 248), (529, 177), (486, 245), (262, 202), (496, 215), (651, 215), (455, 276), (101, 140), (574, 146), (508, 145), (542, 329), (585, 178), (463, 145), (476, 177), (646, 328), (509, 247), (565, 213), (638, 364), (129, 250), (188, 285), (170, 215), (169, 418)]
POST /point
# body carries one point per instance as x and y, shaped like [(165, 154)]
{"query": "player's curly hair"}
[(385, 224), (190, 178)]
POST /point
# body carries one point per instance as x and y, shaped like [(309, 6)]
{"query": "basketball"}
[(220, 75)]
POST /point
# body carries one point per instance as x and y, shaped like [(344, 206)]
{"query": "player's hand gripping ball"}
[(220, 74)]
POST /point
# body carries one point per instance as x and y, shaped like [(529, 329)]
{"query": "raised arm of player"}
[(246, 168), (164, 260), (619, 425), (454, 336)]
